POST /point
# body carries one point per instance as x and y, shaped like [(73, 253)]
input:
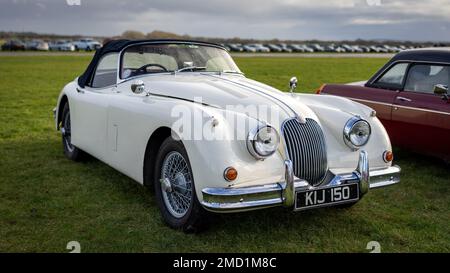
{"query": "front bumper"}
[(283, 193)]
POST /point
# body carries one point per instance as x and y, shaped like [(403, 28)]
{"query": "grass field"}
[(47, 201)]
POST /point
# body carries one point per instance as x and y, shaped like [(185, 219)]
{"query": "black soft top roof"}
[(118, 45), (429, 55)]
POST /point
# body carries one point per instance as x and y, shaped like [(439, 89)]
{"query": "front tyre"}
[(175, 189), (70, 151)]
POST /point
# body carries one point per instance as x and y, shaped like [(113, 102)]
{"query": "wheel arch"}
[(61, 104), (151, 152)]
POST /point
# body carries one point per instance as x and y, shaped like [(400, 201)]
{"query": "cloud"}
[(283, 19)]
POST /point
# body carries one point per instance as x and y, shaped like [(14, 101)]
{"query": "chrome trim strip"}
[(371, 101), (400, 106), (421, 109)]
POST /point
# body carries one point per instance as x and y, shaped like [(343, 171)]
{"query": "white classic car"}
[(62, 45), (179, 116), (87, 44)]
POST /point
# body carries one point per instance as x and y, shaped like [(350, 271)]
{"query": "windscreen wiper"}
[(192, 68), (232, 72)]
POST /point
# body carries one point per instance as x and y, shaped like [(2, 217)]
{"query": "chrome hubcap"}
[(176, 184)]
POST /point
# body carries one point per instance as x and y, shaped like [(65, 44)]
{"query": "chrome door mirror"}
[(440, 89), (138, 87), (293, 84)]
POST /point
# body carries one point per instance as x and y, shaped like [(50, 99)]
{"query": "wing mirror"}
[(441, 89), (293, 84), (138, 87)]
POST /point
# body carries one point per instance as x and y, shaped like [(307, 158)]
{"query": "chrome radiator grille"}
[(306, 148)]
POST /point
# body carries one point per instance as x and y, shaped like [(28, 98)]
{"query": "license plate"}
[(326, 197)]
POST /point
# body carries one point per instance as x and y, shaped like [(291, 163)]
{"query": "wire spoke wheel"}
[(176, 170)]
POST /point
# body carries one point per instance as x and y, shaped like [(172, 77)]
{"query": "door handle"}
[(404, 99), (80, 91)]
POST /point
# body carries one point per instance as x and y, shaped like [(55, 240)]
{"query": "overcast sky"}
[(418, 20)]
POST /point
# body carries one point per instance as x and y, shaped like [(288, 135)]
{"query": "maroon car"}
[(411, 98)]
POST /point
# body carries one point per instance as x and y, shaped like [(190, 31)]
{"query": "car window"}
[(106, 72), (135, 60), (423, 77), (394, 76)]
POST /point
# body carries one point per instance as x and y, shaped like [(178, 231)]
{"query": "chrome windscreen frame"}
[(119, 80)]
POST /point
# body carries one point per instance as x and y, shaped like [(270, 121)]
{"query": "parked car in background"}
[(411, 97), (317, 48), (296, 48), (357, 49), (235, 47), (226, 47), (285, 48), (87, 44), (62, 45), (13, 45), (330, 48), (308, 152), (383, 49), (274, 48), (260, 48), (365, 49), (307, 49), (249, 48), (37, 45), (375, 49), (348, 48), (339, 49)]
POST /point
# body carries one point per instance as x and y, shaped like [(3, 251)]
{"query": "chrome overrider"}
[(283, 193)]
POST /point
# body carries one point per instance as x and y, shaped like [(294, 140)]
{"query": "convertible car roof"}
[(430, 55), (117, 46)]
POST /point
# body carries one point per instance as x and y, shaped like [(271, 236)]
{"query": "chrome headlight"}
[(356, 132), (263, 142)]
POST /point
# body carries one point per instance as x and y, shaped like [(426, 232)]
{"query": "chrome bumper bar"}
[(283, 193)]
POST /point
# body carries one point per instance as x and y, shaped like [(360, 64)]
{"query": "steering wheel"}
[(143, 69)]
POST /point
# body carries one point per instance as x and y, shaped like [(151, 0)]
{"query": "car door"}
[(89, 108), (422, 117), (381, 93), (129, 127)]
